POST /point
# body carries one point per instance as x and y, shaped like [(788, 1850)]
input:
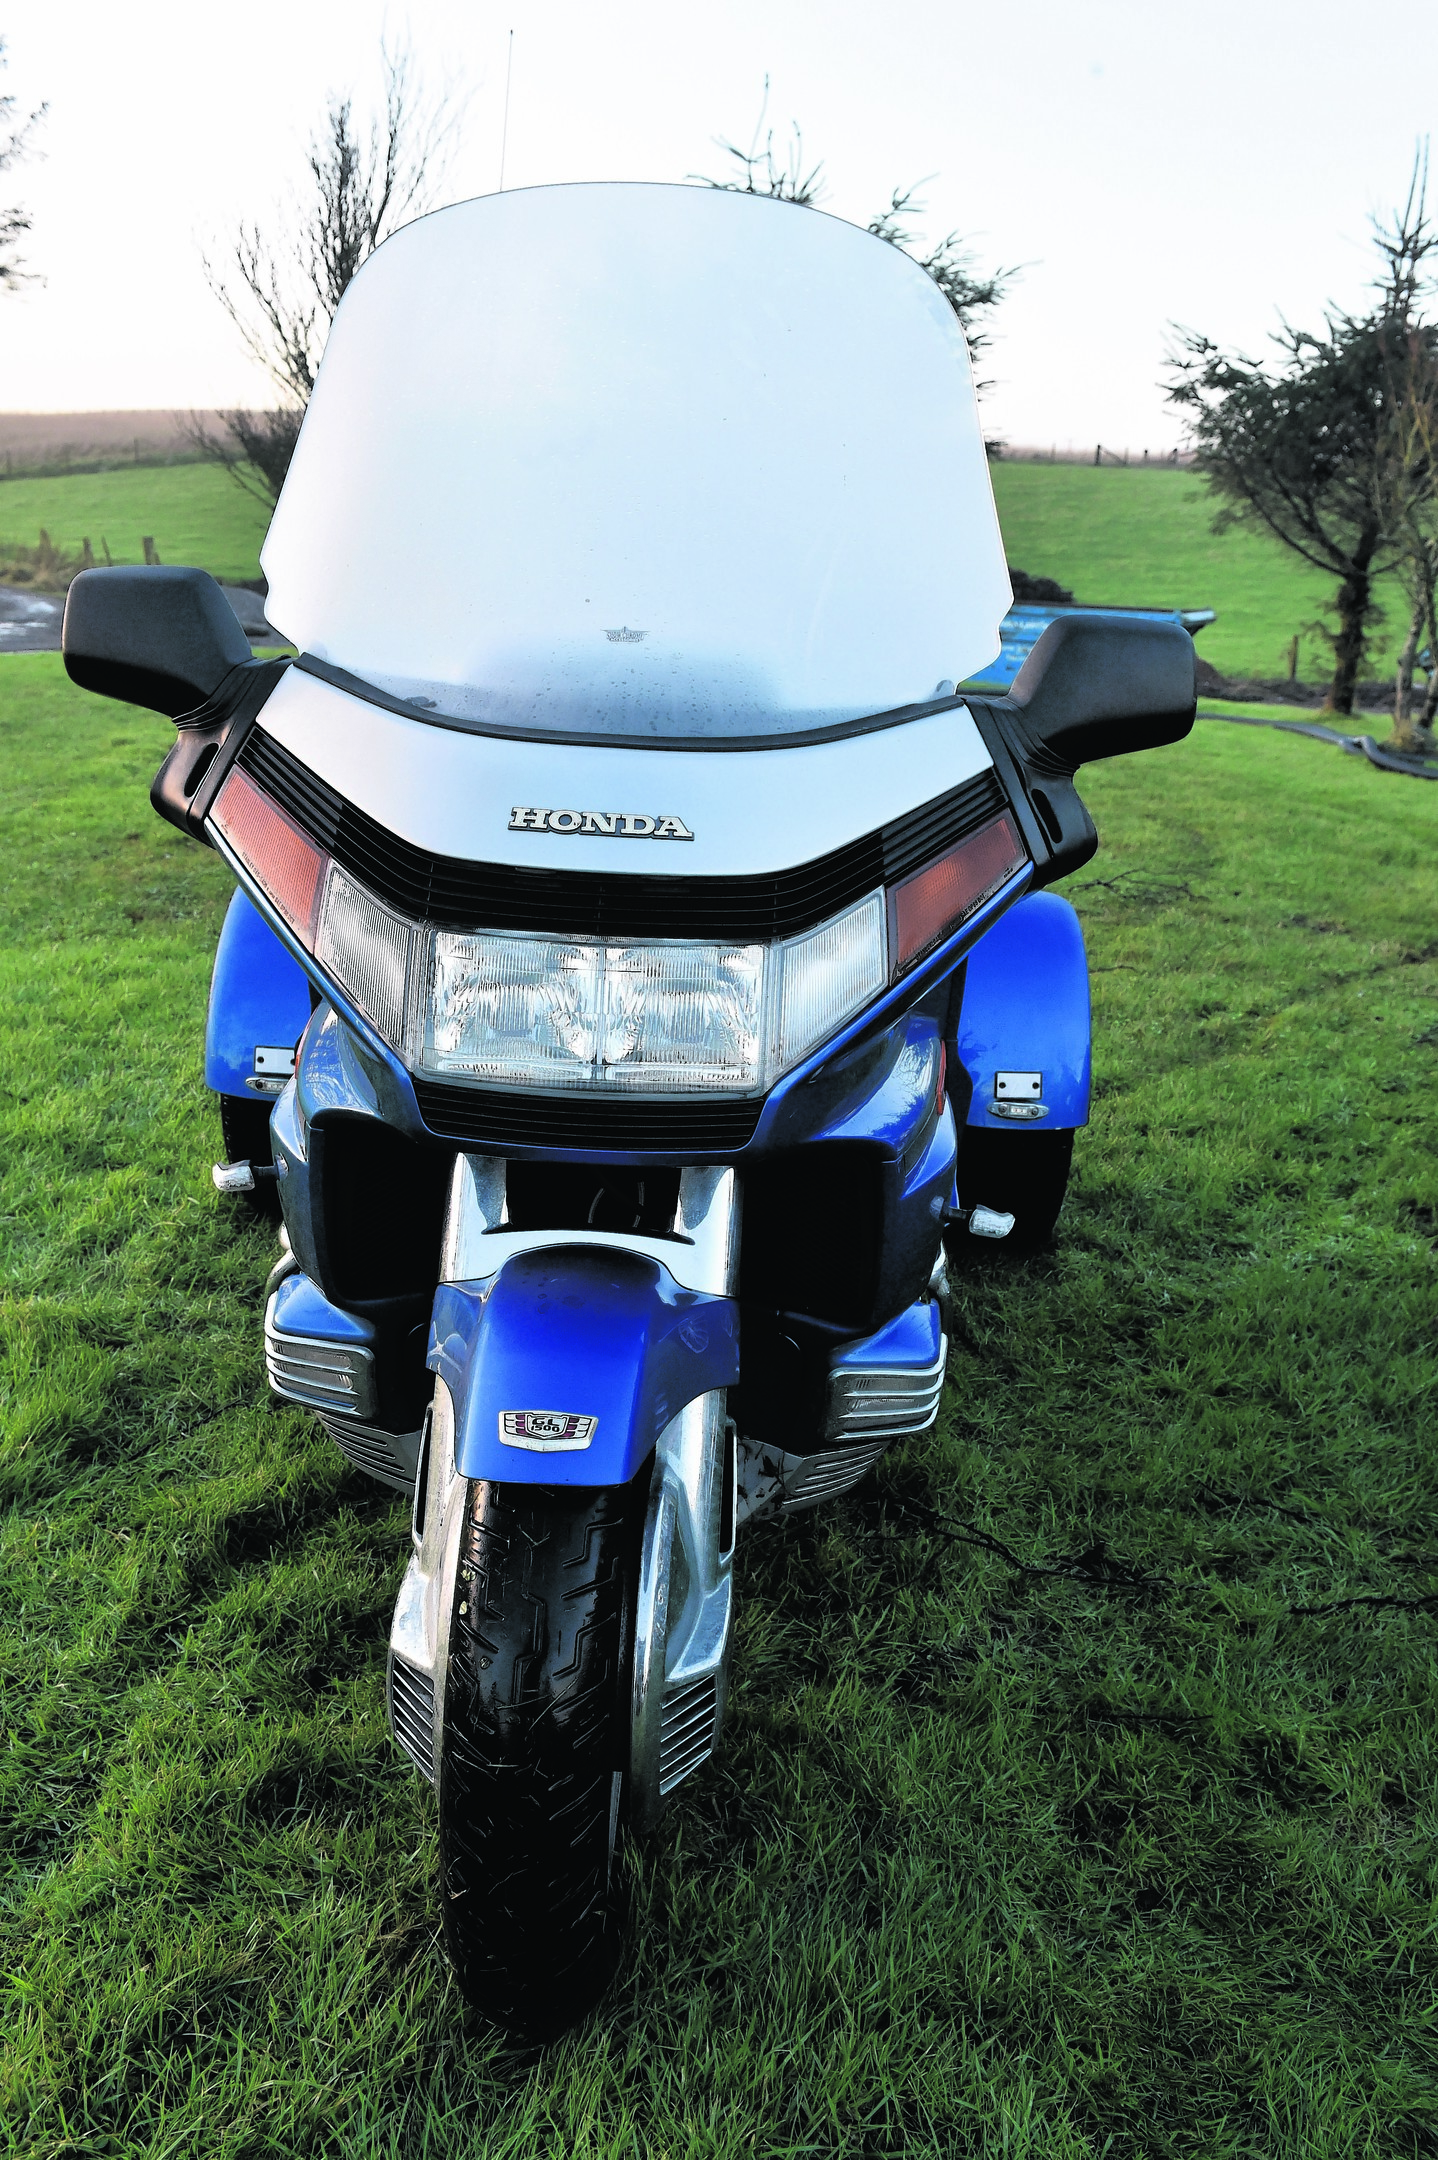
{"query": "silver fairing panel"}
[(750, 812)]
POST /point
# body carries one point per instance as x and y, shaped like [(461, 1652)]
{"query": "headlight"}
[(660, 1018)]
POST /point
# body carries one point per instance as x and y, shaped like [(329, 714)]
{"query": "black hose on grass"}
[(1098, 1569), (1355, 745)]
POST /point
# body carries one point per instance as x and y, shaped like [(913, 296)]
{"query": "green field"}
[(1079, 1792), (1138, 539), (193, 513), (1122, 536)]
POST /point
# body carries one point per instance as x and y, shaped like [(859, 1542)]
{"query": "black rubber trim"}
[(208, 742), (592, 904), (370, 694), (494, 1121)]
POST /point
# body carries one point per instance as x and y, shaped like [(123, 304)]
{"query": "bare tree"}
[(1407, 492), (950, 263), (282, 286), (1313, 449), (951, 266), (1406, 468), (15, 134)]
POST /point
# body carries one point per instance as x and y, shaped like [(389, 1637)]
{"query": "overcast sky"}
[(1146, 162)]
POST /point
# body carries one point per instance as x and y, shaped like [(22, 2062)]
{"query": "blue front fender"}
[(259, 996), (1026, 1009), (575, 1333)]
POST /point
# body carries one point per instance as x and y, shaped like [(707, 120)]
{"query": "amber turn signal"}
[(283, 861), (932, 903)]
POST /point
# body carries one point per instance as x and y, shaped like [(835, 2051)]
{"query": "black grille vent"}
[(595, 904), (495, 1122)]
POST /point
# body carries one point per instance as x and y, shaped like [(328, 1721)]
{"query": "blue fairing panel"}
[(583, 1334), (910, 1343), (258, 995), (1026, 1009), (301, 1308)]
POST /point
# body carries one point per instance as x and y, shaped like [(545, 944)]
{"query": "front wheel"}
[(536, 1746)]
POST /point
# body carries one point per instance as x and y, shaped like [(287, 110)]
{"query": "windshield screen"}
[(656, 462)]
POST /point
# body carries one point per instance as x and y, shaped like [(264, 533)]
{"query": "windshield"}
[(657, 462)]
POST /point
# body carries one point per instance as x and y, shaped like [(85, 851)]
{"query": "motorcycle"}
[(642, 978)]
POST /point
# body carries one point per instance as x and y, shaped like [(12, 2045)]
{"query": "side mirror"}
[(1097, 685), (1094, 686), (160, 637)]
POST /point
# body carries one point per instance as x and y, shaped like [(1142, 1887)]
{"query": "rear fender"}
[(259, 1005), (567, 1364), (1025, 1011)]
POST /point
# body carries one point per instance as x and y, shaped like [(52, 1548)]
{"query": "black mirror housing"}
[(1094, 686), (160, 637)]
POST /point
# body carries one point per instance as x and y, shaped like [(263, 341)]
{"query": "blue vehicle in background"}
[(1026, 622), (644, 975)]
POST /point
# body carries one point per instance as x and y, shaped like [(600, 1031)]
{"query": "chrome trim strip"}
[(905, 1400), (419, 1632), (298, 1367), (680, 1657)]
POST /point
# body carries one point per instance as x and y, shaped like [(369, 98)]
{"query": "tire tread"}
[(534, 1731)]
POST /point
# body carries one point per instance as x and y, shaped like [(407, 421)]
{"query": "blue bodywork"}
[(908, 1344), (577, 1330), (300, 1309), (1026, 1009), (258, 994)]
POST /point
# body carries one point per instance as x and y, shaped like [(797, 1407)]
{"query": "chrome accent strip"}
[(419, 1632), (771, 1479), (387, 1456), (862, 1402), (687, 1731), (680, 1656), (324, 1374), (703, 1253), (411, 1714)]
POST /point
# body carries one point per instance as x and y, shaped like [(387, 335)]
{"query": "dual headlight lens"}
[(677, 1017)]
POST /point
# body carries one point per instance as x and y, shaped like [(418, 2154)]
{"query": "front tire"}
[(536, 1745)]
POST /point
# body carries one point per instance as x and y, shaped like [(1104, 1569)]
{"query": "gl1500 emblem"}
[(610, 824), (546, 1432)]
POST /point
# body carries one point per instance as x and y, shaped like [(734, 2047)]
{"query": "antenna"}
[(504, 137)]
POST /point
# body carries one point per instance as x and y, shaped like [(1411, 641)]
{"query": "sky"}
[(1146, 163)]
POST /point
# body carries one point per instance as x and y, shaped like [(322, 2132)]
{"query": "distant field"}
[(194, 514), (1135, 538), (1124, 536)]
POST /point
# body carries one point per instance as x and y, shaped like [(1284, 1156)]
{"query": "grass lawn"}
[(1132, 1859), (193, 513), (1137, 539)]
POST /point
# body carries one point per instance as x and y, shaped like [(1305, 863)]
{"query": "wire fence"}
[(1091, 454)]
